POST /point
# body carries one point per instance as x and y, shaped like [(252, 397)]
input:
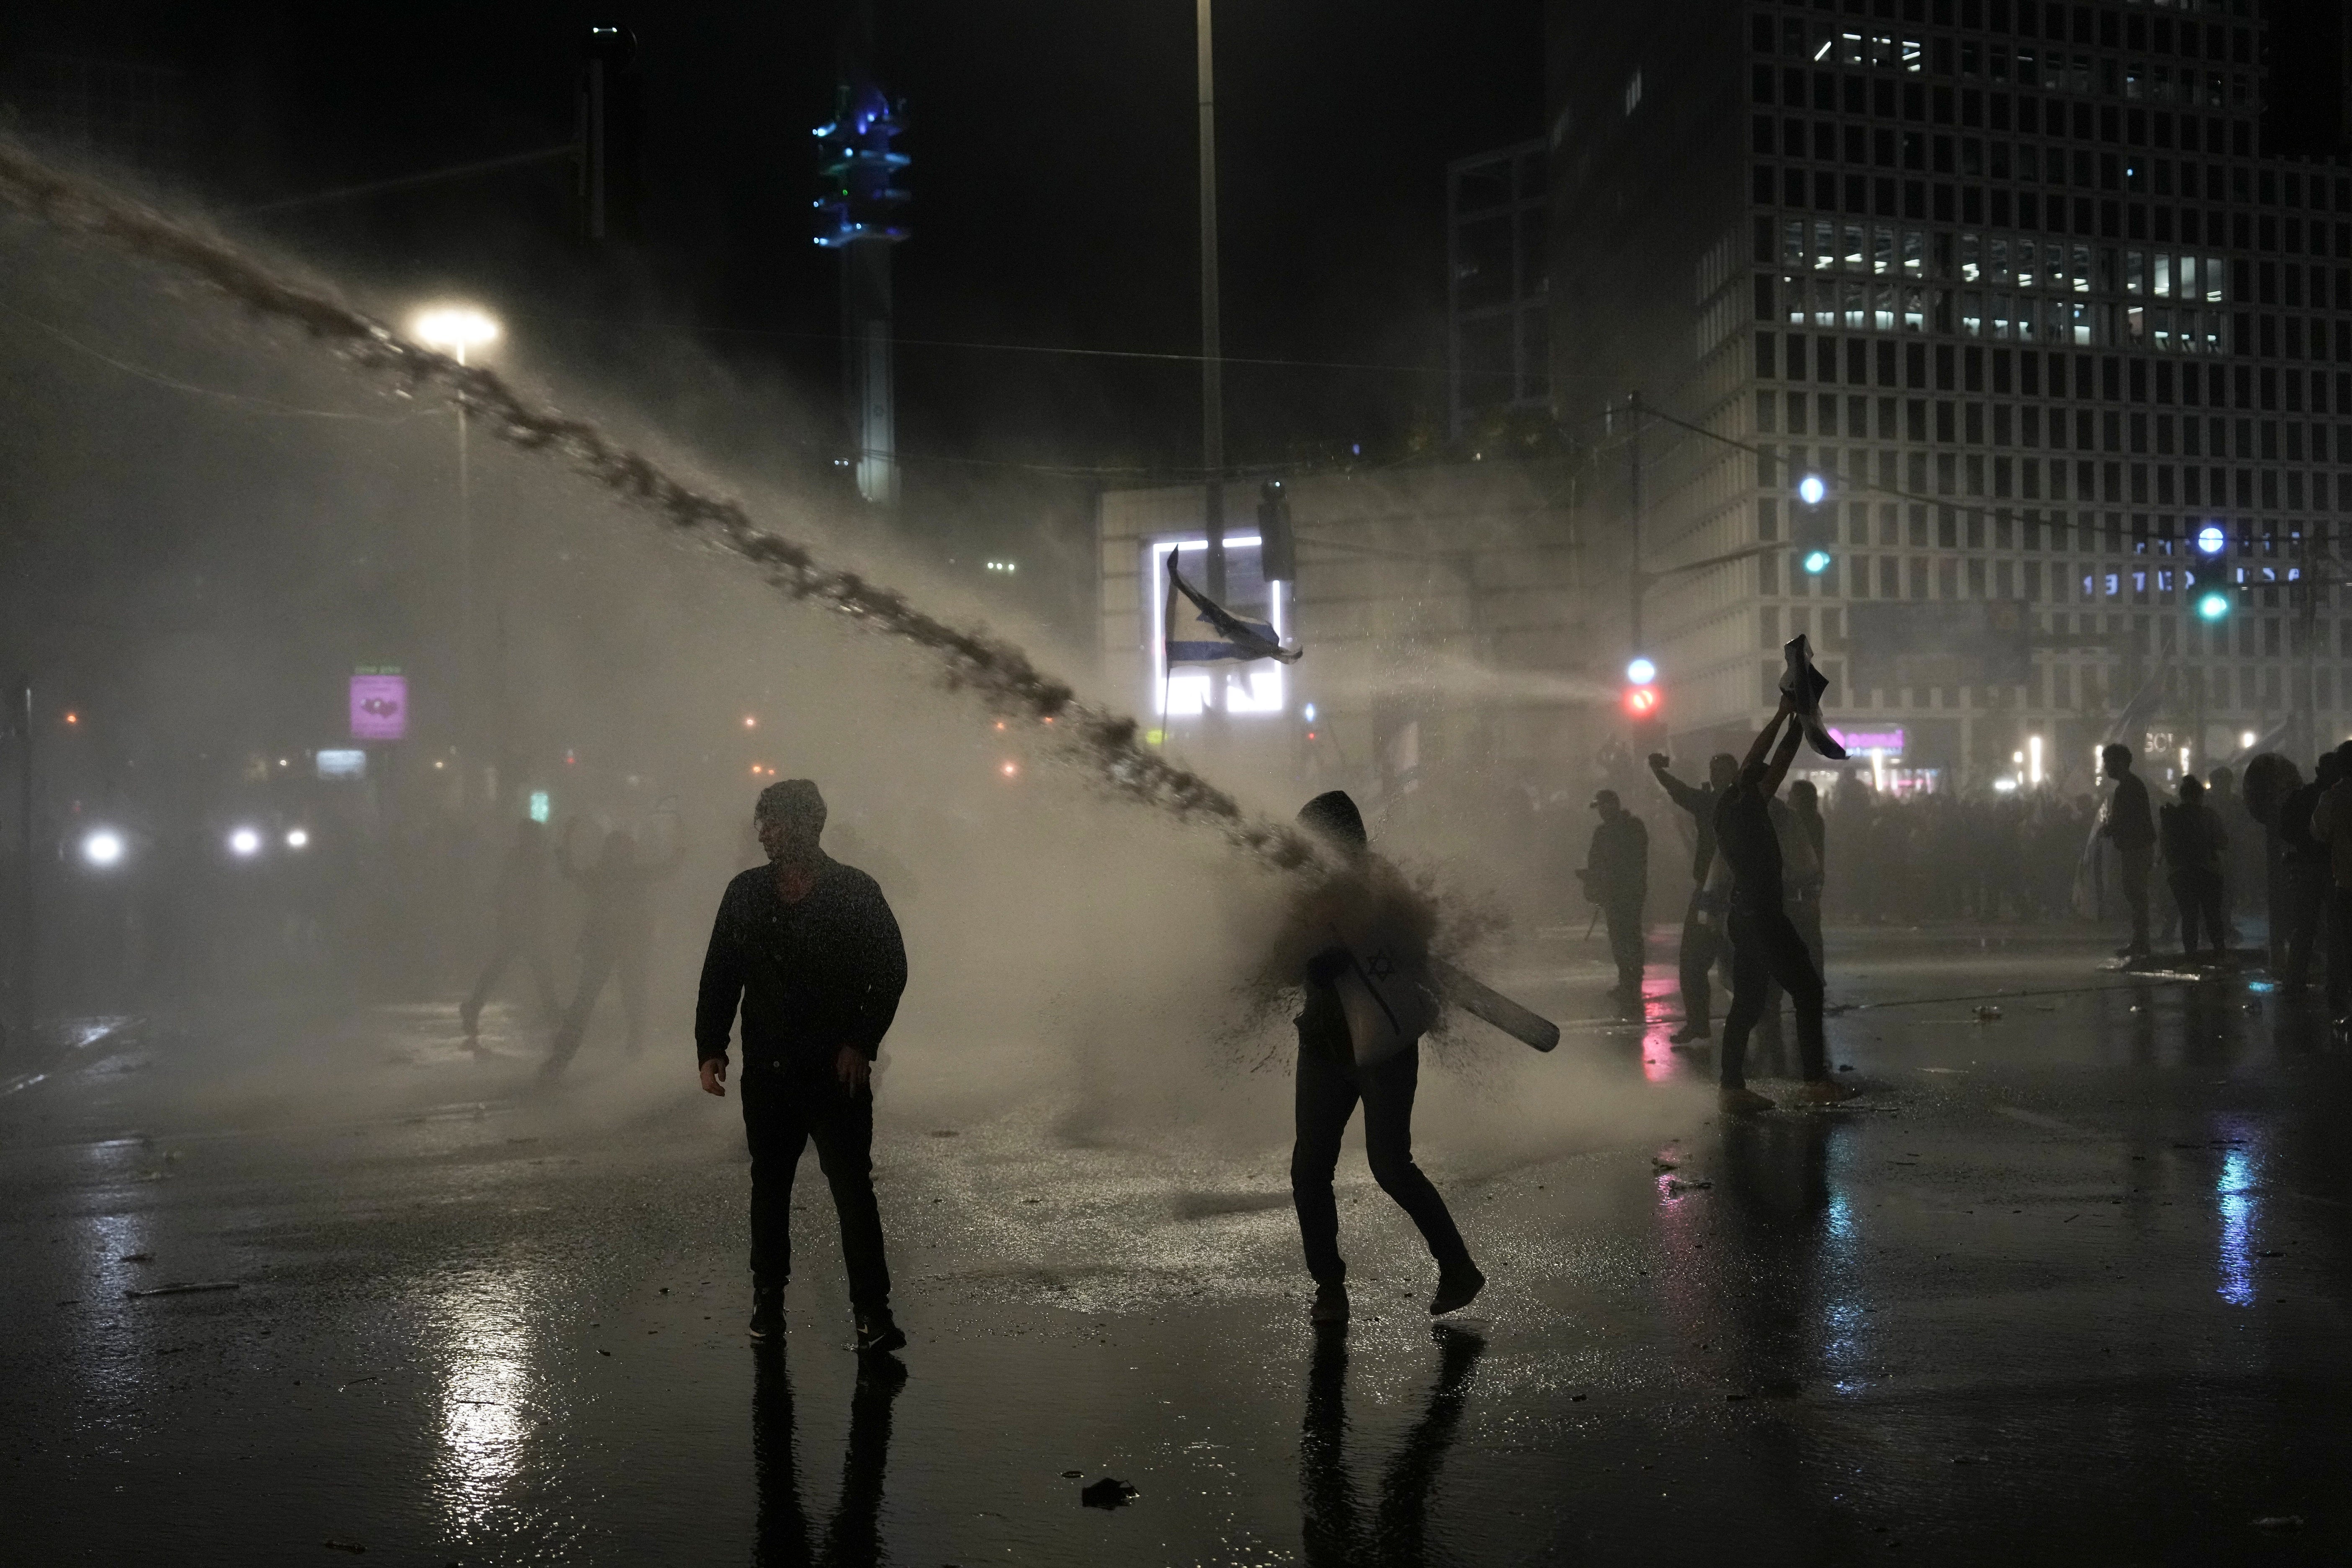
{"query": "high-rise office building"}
[(2053, 300)]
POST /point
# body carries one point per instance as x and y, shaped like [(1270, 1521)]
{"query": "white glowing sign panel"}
[(1256, 688)]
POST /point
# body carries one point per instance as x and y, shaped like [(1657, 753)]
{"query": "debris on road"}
[(1107, 1493), (186, 1289)]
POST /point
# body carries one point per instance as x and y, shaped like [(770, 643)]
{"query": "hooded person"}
[(1616, 876), (1359, 943)]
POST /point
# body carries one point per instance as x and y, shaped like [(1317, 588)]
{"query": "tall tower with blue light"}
[(858, 216)]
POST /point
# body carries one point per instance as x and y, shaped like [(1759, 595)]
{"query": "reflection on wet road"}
[(2068, 1285)]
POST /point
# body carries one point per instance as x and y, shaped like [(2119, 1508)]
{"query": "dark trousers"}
[(1765, 946), (599, 963), (2340, 948), (508, 946), (2303, 892), (1328, 1093), (781, 1116), (2135, 864), (2199, 894), (1623, 918), (1805, 913), (1702, 947)]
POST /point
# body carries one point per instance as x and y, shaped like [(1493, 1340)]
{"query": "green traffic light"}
[(1817, 562), (2213, 606)]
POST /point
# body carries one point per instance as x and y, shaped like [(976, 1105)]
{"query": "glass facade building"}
[(2044, 296)]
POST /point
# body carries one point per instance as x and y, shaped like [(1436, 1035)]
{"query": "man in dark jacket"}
[(1703, 944), (809, 950), (1617, 878), (521, 929), (2130, 827), (2193, 841)]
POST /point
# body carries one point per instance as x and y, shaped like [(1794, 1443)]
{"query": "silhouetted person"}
[(524, 878), (2221, 795), (1805, 891), (809, 950), (1765, 944), (2193, 841), (853, 1536), (1702, 937), (617, 937), (1365, 890), (2302, 873), (2331, 824), (2130, 827), (1616, 876), (1332, 1529), (1800, 876)]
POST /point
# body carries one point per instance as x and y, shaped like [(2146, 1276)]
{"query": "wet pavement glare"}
[(2064, 1285)]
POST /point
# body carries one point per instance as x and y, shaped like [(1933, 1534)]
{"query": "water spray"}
[(1105, 745)]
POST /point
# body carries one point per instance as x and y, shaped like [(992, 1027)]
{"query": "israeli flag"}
[(1241, 639), (1805, 684)]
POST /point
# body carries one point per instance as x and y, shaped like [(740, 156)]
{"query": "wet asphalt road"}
[(2066, 1286)]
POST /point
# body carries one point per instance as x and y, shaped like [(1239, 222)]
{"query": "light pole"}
[(1213, 382), (454, 331)]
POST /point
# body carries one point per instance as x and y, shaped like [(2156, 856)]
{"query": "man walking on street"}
[(810, 949), (521, 929), (2193, 842), (1616, 876), (1703, 944), (2130, 827)]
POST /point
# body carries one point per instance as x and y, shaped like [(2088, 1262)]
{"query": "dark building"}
[(2054, 299), (1498, 320)]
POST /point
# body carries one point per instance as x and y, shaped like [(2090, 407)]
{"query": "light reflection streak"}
[(2235, 1188), (486, 1412)]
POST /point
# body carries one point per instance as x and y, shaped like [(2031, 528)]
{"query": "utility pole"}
[(1633, 505), (1212, 380), (26, 893), (859, 218)]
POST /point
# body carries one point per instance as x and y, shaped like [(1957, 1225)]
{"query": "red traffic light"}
[(1641, 701)]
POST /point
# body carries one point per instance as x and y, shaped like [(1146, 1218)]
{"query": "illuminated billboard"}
[(350, 764), (379, 705), (1258, 686)]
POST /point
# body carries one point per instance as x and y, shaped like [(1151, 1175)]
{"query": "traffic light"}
[(1277, 549), (1640, 696), (855, 156), (2212, 605), (1812, 526)]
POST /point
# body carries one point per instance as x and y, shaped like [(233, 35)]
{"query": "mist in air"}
[(223, 517)]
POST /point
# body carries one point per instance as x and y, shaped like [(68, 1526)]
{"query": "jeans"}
[(2137, 862), (782, 1112), (1766, 947), (1328, 1093), (1702, 948), (2199, 894), (1623, 919)]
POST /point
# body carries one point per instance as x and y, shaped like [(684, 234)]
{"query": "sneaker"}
[(1689, 1032), (1744, 1102), (767, 1316), (1456, 1289), (879, 1333), (1330, 1305), (1826, 1092)]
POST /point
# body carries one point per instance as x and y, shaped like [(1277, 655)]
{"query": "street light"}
[(103, 847), (455, 331)]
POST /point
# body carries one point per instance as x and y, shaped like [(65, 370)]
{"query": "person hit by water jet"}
[(808, 950), (1361, 938)]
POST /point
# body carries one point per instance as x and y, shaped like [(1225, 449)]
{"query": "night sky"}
[(1053, 177)]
